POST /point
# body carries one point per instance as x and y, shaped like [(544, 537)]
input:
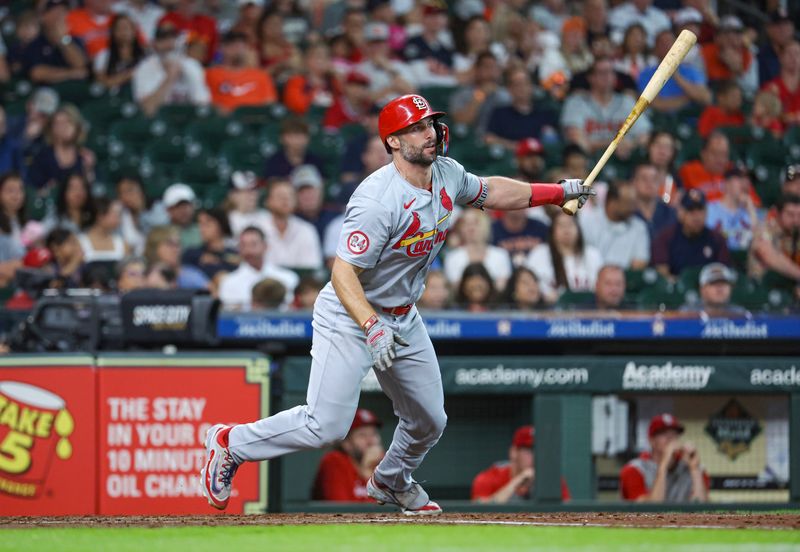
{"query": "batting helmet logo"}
[(403, 112)]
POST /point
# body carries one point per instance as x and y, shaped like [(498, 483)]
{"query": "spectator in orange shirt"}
[(90, 24), (200, 30), (235, 82), (727, 111), (317, 86), (343, 472), (729, 58), (707, 173), (512, 480)]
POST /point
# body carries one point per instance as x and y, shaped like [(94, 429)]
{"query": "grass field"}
[(399, 538)]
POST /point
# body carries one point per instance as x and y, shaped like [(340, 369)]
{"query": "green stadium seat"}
[(210, 195), (79, 92), (740, 139), (101, 113), (765, 149), (254, 117), (136, 133), (739, 260), (330, 148), (178, 116), (660, 299), (211, 132), (575, 300), (438, 96), (348, 132), (245, 154), (767, 182), (37, 206), (15, 90), (689, 278), (637, 280), (199, 168), (774, 280), (792, 142)]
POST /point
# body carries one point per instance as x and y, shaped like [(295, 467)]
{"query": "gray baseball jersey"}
[(394, 230)]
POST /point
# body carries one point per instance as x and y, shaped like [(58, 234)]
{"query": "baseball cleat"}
[(220, 467), (413, 502)]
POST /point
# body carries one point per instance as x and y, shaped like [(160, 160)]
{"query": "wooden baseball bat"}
[(665, 70)]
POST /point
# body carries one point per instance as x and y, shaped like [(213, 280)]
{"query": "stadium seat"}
[(765, 149), (211, 132), (178, 117), (330, 148), (247, 154), (438, 96), (739, 260), (135, 133), (79, 92), (14, 94), (199, 168), (254, 117), (659, 299), (637, 280), (689, 278), (792, 142), (740, 139), (774, 280), (575, 300), (101, 113)]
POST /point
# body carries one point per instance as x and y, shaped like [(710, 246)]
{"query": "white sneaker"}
[(413, 502), (220, 467)]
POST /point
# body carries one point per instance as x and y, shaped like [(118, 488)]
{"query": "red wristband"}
[(546, 194), (371, 321)]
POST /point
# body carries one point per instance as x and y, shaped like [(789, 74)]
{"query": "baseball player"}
[(395, 223)]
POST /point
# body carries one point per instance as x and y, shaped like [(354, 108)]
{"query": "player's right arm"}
[(344, 277)]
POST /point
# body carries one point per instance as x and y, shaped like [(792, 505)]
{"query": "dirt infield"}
[(594, 519)]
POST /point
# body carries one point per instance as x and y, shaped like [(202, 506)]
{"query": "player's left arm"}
[(508, 194)]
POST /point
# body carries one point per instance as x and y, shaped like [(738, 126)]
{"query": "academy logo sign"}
[(733, 429), (667, 376)]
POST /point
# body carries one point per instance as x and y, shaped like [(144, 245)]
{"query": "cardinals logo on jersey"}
[(419, 243), (447, 203)]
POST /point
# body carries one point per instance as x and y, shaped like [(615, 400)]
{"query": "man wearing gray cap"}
[(716, 284)]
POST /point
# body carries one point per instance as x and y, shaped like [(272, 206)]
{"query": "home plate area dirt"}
[(594, 519)]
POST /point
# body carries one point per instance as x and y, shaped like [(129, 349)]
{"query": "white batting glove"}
[(574, 189), (381, 341)]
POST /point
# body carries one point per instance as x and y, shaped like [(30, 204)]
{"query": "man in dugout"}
[(669, 472)]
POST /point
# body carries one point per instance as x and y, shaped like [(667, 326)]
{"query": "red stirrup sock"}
[(546, 194)]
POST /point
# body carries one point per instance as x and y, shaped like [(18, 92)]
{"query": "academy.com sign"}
[(775, 377), (666, 376), (530, 377)]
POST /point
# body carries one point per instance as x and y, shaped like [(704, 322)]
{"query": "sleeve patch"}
[(357, 242)]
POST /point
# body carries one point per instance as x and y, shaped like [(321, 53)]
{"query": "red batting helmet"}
[(403, 112)]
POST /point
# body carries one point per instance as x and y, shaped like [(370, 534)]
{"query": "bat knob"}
[(570, 207)]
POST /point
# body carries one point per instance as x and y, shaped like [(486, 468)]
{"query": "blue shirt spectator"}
[(518, 234)]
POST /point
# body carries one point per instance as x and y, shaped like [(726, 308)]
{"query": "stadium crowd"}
[(187, 144)]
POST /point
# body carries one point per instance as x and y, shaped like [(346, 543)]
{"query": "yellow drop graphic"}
[(64, 449), (65, 424)]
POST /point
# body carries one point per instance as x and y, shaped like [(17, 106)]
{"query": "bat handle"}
[(570, 207)]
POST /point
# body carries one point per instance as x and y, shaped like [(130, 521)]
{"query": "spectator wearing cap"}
[(294, 139), (508, 124), (243, 197), (63, 153), (650, 207), (734, 214), (779, 32), (716, 283), (114, 66), (592, 119), (729, 58), (180, 202), (787, 84), (777, 246), (167, 76), (235, 81), (690, 18), (669, 472), (653, 19), (689, 242), (686, 87), (707, 173), (145, 15), (235, 288), (343, 472), (200, 30), (430, 54), (28, 128), (316, 86), (351, 106), (294, 243), (725, 112), (531, 162), (54, 56), (388, 77), (214, 255), (512, 480), (621, 238), (90, 24), (472, 105), (310, 190)]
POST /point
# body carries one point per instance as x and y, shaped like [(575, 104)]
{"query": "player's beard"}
[(417, 155)]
